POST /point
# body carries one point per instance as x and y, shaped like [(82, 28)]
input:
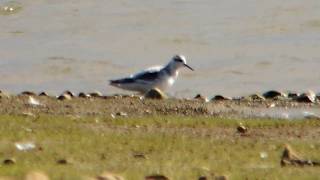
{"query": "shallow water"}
[(282, 113), (237, 47)]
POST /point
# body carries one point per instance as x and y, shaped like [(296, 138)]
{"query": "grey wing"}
[(147, 76)]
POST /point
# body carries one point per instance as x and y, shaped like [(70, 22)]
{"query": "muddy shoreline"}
[(125, 105)]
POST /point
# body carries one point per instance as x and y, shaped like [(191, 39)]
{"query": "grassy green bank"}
[(178, 147)]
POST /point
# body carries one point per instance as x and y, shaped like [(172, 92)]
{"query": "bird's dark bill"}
[(189, 67)]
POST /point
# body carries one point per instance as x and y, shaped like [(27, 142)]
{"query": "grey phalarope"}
[(160, 77)]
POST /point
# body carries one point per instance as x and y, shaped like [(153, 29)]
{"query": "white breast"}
[(166, 81), (171, 81)]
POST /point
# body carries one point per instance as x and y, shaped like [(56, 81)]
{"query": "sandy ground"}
[(135, 106)]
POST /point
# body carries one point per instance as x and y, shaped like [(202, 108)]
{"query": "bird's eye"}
[(177, 59)]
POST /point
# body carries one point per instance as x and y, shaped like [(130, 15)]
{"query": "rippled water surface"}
[(236, 46)]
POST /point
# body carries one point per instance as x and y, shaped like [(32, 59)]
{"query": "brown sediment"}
[(135, 106)]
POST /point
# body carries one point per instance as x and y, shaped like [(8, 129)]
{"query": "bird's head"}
[(179, 61)]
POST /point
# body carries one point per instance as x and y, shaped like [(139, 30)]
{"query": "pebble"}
[(63, 161), (29, 93), (96, 94), (69, 93), (155, 94), (273, 94), (64, 97), (242, 129), (201, 98), (202, 178), (122, 114), (140, 156), (83, 95), (220, 98), (308, 97), (9, 161), (43, 94), (156, 177)]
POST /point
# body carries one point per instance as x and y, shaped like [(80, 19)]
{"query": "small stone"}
[(43, 94), (242, 129), (69, 93), (273, 94), (139, 156), (64, 97), (109, 176), (156, 177), (155, 94), (36, 175), (308, 97), (96, 94), (201, 98), (122, 114), (220, 98), (28, 93), (63, 161), (83, 95), (125, 96), (9, 161)]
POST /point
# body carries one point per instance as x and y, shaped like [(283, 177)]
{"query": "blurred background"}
[(237, 47)]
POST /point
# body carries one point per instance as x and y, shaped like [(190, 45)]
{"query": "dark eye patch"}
[(178, 59)]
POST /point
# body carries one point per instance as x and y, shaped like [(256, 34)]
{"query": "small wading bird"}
[(160, 77)]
